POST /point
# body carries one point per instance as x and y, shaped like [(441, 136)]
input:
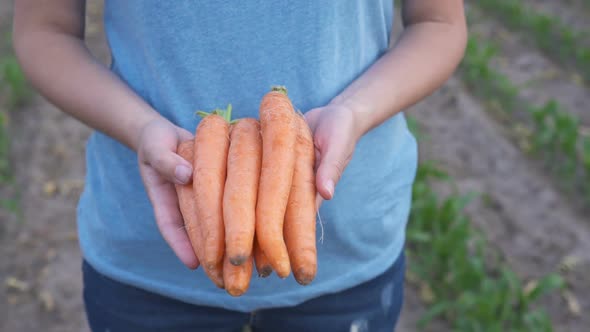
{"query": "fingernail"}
[(182, 173), (330, 187)]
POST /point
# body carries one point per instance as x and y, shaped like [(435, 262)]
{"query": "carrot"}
[(237, 278), (300, 218), (216, 275), (277, 121), (262, 264), (209, 172), (241, 189), (187, 204)]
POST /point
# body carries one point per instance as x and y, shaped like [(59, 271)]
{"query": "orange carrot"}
[(300, 218), (187, 204), (209, 172), (262, 264), (241, 189), (277, 120), (237, 278), (216, 275)]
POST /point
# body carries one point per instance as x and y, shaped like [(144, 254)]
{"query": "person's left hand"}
[(335, 134), (161, 168)]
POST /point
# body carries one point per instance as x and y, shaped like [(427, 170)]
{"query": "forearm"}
[(424, 57), (62, 69)]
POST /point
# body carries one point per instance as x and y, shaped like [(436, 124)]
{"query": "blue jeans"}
[(372, 306)]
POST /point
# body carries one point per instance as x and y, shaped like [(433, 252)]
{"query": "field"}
[(499, 236)]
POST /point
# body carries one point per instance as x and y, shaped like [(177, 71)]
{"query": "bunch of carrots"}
[(252, 197)]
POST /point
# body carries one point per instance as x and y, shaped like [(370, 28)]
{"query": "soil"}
[(532, 224), (521, 212), (41, 284), (537, 77), (573, 13)]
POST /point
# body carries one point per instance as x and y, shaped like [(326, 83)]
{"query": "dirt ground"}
[(530, 221), (573, 13), (40, 275)]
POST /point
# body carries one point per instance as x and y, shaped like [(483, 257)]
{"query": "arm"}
[(49, 44), (424, 57)]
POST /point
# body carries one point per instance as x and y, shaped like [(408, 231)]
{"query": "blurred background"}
[(499, 236)]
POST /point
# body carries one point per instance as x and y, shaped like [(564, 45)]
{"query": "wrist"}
[(360, 112), (140, 126)]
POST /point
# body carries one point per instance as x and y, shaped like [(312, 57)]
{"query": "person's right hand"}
[(160, 169)]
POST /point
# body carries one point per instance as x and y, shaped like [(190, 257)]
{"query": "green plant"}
[(413, 126), (557, 135), (14, 81), (14, 92), (449, 255), (586, 161), (11, 205), (481, 79), (548, 33), (5, 171), (6, 176), (554, 133)]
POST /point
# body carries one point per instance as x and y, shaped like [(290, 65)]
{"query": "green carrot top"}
[(224, 113)]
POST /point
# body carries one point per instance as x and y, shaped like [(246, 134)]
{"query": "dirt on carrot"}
[(263, 266), (237, 278)]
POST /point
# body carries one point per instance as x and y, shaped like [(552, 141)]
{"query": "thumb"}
[(330, 169), (184, 135), (171, 166)]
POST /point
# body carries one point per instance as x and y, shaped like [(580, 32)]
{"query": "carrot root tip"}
[(235, 292), (303, 279), (265, 272)]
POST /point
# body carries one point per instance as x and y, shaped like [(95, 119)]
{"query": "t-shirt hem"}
[(282, 299)]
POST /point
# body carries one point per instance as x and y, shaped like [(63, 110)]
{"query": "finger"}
[(184, 135), (311, 118), (332, 165), (169, 165), (318, 201), (316, 160), (163, 197)]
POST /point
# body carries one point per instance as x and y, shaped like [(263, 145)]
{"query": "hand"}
[(160, 169), (335, 134)]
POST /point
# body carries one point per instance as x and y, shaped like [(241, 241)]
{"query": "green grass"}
[(10, 204), (448, 255), (5, 170), (13, 82), (548, 33), (558, 135), (476, 69), (14, 92), (553, 135)]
